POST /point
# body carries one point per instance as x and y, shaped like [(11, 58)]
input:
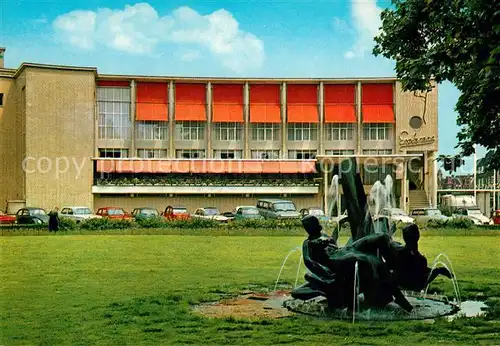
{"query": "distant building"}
[(72, 136)]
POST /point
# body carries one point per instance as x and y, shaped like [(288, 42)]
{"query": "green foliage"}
[(446, 210), (452, 223), (105, 224), (66, 224), (265, 224), (456, 41)]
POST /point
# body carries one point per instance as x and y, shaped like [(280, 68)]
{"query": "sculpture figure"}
[(384, 266)]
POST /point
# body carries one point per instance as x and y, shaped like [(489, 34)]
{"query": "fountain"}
[(383, 271)]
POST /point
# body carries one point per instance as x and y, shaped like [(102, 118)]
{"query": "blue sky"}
[(266, 38)]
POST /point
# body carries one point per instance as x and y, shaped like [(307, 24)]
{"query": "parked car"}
[(211, 213), (78, 213), (7, 219), (277, 209), (473, 214), (145, 213), (318, 212), (32, 216), (396, 215), (114, 213), (243, 212), (428, 214), (176, 213), (496, 217)]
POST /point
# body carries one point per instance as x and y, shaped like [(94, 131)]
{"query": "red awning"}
[(152, 101), (337, 113), (265, 103), (190, 101), (227, 102), (377, 94), (204, 166), (112, 83), (378, 114), (377, 103), (302, 103), (339, 103)]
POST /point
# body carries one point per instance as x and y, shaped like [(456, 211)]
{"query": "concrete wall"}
[(60, 117), (224, 203), (12, 143)]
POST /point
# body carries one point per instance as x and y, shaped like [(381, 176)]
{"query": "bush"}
[(103, 224), (455, 223), (194, 223), (265, 224), (446, 210), (66, 224), (156, 222)]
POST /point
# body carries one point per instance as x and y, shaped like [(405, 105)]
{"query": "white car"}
[(396, 215), (78, 213), (210, 213), (473, 214)]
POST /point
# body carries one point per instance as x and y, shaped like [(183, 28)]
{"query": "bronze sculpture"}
[(384, 266)]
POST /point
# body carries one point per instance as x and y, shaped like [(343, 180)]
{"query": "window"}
[(227, 131), (190, 154), (152, 153), (372, 173), (151, 130), (113, 153), (339, 132), (265, 154), (301, 154), (339, 152), (190, 130), (302, 132), (1, 99), (114, 113), (227, 154), (265, 132), (377, 151), (377, 132)]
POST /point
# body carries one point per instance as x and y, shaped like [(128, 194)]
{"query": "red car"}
[(7, 219), (176, 213), (114, 213)]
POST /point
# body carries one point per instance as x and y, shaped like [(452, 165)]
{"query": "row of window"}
[(232, 154), (116, 126)]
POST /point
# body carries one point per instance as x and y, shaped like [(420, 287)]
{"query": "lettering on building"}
[(405, 140)]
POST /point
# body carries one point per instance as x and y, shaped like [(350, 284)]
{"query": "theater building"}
[(73, 136)]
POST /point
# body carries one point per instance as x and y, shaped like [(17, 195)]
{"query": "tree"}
[(456, 41)]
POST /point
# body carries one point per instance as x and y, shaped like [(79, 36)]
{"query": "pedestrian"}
[(54, 220)]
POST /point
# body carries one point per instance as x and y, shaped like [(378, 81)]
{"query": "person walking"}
[(54, 220)]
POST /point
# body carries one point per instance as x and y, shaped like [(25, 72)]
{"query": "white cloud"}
[(366, 22), (190, 55), (138, 29)]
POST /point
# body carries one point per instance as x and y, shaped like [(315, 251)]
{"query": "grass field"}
[(137, 289)]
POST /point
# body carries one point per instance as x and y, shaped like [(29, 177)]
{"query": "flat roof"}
[(194, 79)]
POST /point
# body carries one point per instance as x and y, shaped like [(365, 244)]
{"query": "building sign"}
[(405, 140)]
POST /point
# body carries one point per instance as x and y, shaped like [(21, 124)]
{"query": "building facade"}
[(73, 136)]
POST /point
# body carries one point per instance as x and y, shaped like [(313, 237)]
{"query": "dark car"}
[(32, 216), (145, 213)]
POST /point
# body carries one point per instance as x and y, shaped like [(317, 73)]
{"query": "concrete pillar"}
[(404, 187), (246, 119), (321, 111), (132, 150), (434, 182), (209, 121), (325, 188), (358, 118), (171, 119), (284, 133)]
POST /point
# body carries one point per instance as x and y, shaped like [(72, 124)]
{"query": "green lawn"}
[(137, 289)]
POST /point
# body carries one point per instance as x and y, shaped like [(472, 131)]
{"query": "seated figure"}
[(332, 268), (412, 271)]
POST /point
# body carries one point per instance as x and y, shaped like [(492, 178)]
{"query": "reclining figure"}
[(332, 269)]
